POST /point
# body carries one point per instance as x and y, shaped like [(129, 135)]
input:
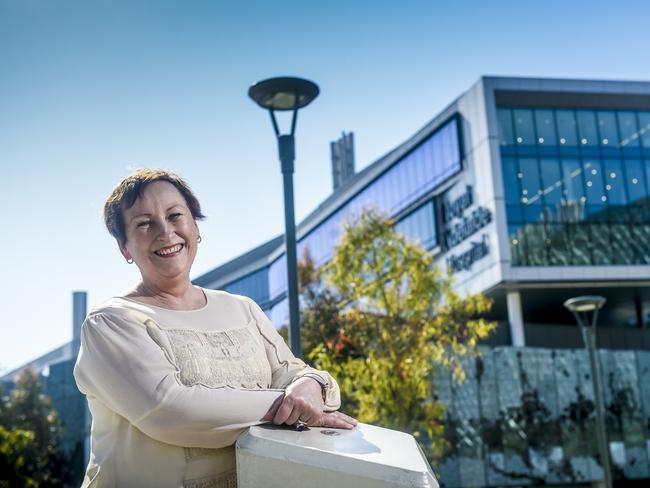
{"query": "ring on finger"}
[(301, 425)]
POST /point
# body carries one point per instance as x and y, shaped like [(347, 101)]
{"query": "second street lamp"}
[(287, 94), (585, 310)]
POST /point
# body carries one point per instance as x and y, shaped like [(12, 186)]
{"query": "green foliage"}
[(13, 446), (380, 316), (32, 431)]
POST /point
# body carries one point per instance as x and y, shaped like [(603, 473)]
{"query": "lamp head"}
[(284, 93), (585, 304)]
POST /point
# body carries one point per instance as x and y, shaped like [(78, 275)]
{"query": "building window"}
[(581, 195), (420, 226), (254, 285)]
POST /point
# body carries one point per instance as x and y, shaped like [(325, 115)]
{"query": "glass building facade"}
[(577, 185), (421, 170)]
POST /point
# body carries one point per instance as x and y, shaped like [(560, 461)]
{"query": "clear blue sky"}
[(91, 89)]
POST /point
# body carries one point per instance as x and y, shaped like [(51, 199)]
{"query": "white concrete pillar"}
[(515, 318)]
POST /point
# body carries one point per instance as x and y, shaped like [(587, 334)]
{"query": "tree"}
[(13, 447), (380, 316), (32, 429)]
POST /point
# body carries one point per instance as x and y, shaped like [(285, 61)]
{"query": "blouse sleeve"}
[(122, 367), (286, 368)]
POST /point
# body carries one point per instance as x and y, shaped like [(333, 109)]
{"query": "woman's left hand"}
[(303, 400)]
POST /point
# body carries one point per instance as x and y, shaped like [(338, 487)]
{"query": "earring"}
[(129, 260), (199, 239)]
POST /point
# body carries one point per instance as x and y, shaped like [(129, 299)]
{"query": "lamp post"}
[(582, 308), (287, 94)]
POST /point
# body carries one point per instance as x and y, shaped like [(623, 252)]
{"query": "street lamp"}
[(582, 308), (284, 94)]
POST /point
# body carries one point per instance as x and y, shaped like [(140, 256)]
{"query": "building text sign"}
[(460, 224)]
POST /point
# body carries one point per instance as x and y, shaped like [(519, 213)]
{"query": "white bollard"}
[(367, 457)]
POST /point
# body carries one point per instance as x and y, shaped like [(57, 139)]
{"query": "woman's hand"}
[(336, 420), (303, 400)]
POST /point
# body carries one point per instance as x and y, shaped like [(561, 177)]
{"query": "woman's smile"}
[(169, 251)]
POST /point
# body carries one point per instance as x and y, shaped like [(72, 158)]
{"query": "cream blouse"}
[(170, 391)]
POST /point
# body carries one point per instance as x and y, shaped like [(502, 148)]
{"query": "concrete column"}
[(515, 318)]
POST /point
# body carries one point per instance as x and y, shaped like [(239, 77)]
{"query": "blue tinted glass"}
[(524, 129), (587, 128), (517, 252), (278, 277), (438, 158), (628, 130), (594, 187), (419, 225), (566, 127), (254, 285), (644, 128), (607, 128), (646, 163), (279, 314), (635, 180), (511, 181), (551, 181), (506, 132), (573, 182), (531, 188), (614, 182), (545, 124)]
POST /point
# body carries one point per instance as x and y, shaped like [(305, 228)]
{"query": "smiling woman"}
[(173, 372)]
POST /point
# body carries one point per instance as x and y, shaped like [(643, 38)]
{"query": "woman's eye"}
[(175, 216), (144, 223)]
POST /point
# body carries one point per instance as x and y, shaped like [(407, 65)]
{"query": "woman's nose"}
[(165, 229)]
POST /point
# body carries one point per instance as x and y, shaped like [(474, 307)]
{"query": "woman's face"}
[(161, 234)]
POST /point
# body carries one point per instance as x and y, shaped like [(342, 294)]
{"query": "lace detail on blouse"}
[(192, 453), (215, 359), (225, 480)]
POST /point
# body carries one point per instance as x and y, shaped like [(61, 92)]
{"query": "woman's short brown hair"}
[(130, 188)]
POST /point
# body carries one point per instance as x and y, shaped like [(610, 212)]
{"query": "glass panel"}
[(614, 182), (254, 285), (578, 243), (595, 190), (517, 253), (587, 128), (621, 240), (573, 182), (566, 127), (514, 214), (419, 225), (531, 188), (600, 244), (279, 314), (635, 180), (557, 245), (278, 277), (607, 128), (628, 130), (511, 181), (545, 124), (551, 185), (644, 128), (535, 244), (524, 131), (640, 236), (506, 131)]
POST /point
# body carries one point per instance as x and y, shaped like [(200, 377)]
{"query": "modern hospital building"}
[(532, 191)]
